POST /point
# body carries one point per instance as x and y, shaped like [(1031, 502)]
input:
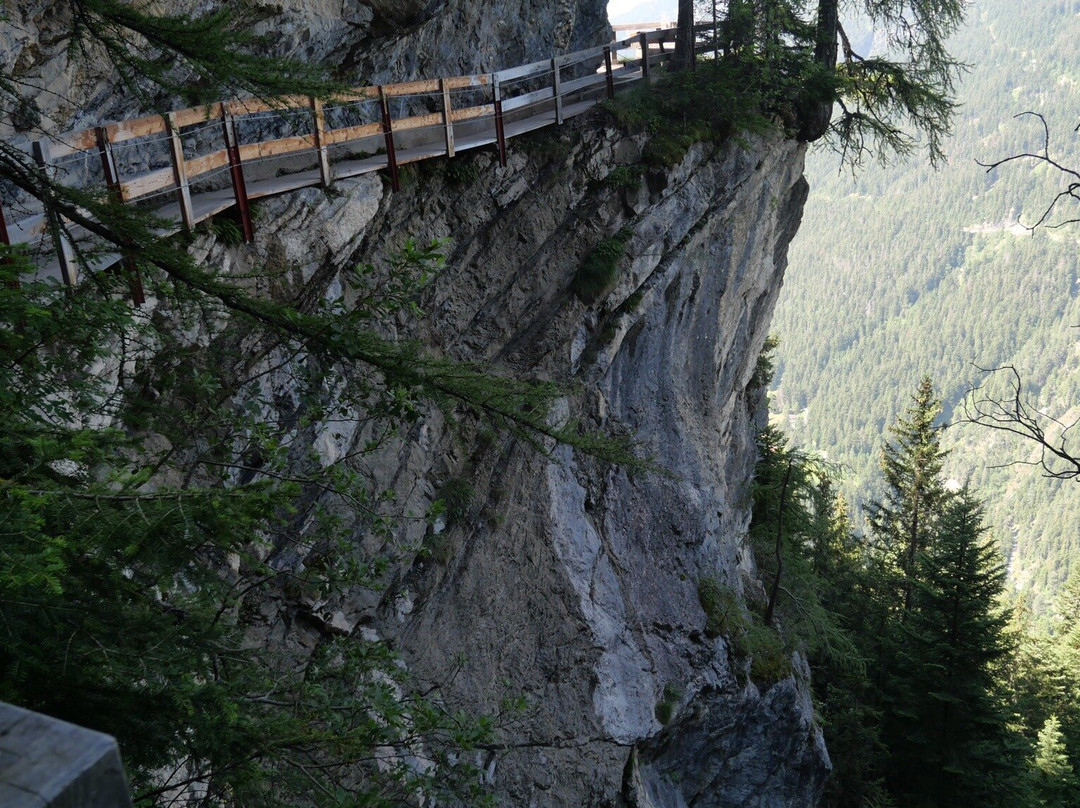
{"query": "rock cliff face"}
[(369, 42), (561, 580)]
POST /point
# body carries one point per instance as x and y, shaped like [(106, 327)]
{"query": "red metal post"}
[(500, 129), (643, 40), (607, 70), (232, 149), (388, 134), (3, 228)]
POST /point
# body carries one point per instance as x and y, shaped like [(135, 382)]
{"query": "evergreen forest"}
[(954, 567), (931, 686), (905, 270)]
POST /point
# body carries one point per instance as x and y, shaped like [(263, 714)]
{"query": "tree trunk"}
[(775, 593), (683, 57), (816, 112)]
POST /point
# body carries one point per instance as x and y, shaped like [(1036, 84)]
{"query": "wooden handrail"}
[(537, 84)]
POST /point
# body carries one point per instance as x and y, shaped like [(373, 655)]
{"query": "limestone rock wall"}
[(565, 582)]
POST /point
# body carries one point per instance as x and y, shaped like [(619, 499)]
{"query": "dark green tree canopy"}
[(888, 102)]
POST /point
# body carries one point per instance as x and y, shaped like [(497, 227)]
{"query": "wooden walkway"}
[(192, 164)]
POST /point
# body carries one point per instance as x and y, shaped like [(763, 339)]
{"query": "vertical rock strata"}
[(561, 581)]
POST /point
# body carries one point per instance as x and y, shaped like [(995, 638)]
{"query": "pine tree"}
[(904, 520), (849, 703), (948, 733), (1055, 781), (1062, 665)]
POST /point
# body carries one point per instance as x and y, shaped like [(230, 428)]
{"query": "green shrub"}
[(770, 658), (710, 104), (227, 231), (770, 661), (669, 701), (436, 547), (623, 177), (723, 614), (460, 171), (456, 497), (546, 145), (633, 303), (766, 364), (598, 272)]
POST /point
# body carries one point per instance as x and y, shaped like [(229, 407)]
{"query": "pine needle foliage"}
[(128, 602), (924, 717), (951, 743), (790, 529), (888, 103), (199, 58), (904, 521)]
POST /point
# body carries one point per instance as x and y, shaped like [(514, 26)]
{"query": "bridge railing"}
[(191, 164)]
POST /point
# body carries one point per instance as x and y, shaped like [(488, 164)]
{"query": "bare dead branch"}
[(1014, 415), (1071, 190)]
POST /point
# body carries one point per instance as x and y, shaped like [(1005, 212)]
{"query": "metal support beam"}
[(500, 128), (319, 130), (236, 169), (388, 134), (64, 252)]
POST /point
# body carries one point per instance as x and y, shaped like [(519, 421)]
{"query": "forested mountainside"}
[(904, 271)]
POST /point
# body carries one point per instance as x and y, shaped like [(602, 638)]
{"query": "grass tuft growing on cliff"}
[(711, 104), (668, 703), (723, 615), (599, 271), (762, 646)]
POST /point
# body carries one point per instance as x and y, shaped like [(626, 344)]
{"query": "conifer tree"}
[(947, 730), (1055, 781), (849, 701), (1063, 663), (903, 521), (889, 102)]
